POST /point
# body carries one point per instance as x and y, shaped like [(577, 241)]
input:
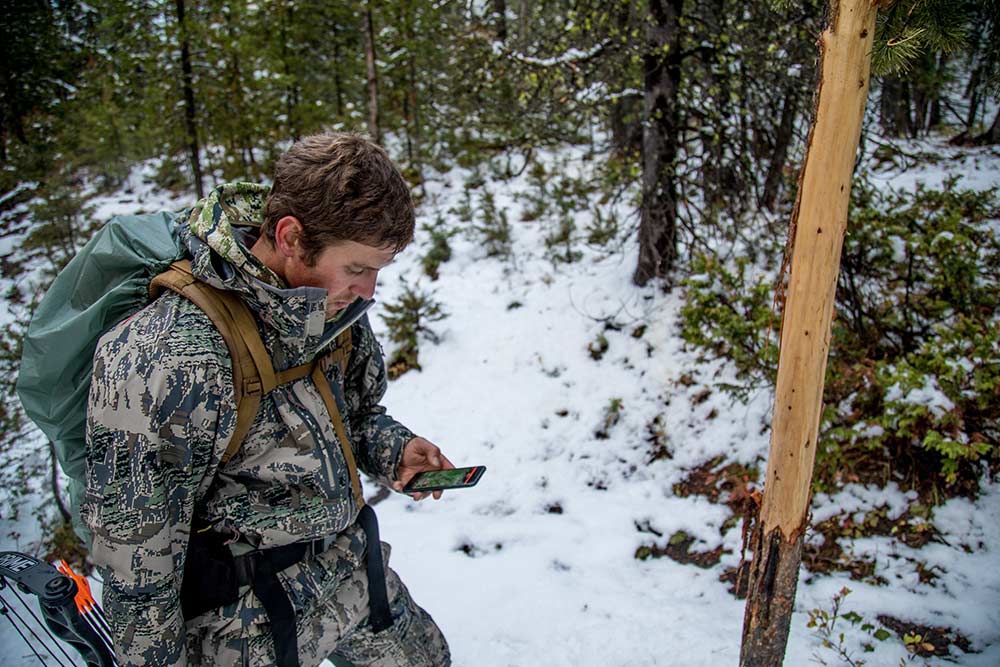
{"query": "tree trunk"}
[(818, 224), (240, 137), (411, 109), (934, 114), (54, 482), (990, 137), (291, 78), (972, 91), (779, 155), (373, 128), (190, 114), (717, 173), (499, 19), (660, 137), (338, 84), (894, 107), (625, 124)]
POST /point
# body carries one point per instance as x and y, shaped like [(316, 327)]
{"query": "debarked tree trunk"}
[(818, 224)]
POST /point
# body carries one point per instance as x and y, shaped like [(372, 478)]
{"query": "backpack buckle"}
[(253, 387)]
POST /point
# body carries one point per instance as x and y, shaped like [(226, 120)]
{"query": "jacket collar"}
[(218, 233)]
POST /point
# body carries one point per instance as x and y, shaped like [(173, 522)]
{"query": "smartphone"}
[(437, 480)]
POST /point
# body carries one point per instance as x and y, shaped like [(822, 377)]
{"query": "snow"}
[(536, 564), (929, 395)]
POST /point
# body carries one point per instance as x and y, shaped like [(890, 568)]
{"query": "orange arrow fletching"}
[(84, 598)]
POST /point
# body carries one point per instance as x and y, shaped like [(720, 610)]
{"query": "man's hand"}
[(420, 455)]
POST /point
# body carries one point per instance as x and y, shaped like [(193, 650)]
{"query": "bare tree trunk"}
[(894, 107), (499, 19), (373, 128), (972, 91), (818, 224), (779, 155), (411, 109), (338, 85), (190, 114), (54, 480), (240, 137), (990, 137), (934, 115), (661, 73), (291, 78)]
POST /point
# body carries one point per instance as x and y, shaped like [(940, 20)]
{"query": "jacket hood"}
[(214, 221), (219, 232)]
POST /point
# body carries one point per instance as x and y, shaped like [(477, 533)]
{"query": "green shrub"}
[(559, 243), (913, 378), (440, 250), (494, 229), (727, 312), (603, 228), (409, 320)]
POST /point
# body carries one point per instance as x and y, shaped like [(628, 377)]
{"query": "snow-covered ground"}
[(536, 565)]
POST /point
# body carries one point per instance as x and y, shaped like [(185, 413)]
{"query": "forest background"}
[(694, 112)]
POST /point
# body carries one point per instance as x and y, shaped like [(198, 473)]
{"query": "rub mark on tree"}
[(819, 221)]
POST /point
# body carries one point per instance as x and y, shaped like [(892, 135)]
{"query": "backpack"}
[(128, 263)]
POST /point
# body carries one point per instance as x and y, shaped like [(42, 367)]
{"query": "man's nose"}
[(365, 286)]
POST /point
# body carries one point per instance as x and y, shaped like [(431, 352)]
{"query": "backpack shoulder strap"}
[(323, 386), (340, 355), (253, 373)]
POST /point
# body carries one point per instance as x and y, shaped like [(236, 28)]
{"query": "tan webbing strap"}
[(253, 372), (247, 328), (294, 373), (341, 353), (239, 320), (323, 385), (241, 337)]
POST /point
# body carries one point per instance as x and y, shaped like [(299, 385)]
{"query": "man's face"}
[(346, 270)]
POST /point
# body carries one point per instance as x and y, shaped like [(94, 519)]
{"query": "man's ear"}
[(288, 236)]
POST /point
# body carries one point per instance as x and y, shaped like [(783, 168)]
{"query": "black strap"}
[(379, 615), (213, 577), (272, 595), (210, 579)]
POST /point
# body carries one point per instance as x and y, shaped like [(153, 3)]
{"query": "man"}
[(303, 256)]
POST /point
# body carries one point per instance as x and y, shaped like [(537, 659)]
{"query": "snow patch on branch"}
[(569, 57)]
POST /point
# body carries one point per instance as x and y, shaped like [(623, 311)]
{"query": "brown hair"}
[(340, 187)]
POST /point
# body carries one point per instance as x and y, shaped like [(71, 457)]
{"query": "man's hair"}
[(341, 187)]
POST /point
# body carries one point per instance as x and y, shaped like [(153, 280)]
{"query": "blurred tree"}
[(983, 59), (41, 56), (373, 114), (909, 56), (190, 110)]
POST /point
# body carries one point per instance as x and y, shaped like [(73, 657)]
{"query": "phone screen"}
[(445, 479)]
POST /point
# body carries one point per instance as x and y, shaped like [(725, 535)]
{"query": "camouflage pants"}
[(336, 628)]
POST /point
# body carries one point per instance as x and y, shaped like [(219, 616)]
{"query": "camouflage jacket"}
[(160, 416)]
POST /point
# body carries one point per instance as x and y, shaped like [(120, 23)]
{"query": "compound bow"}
[(67, 607)]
